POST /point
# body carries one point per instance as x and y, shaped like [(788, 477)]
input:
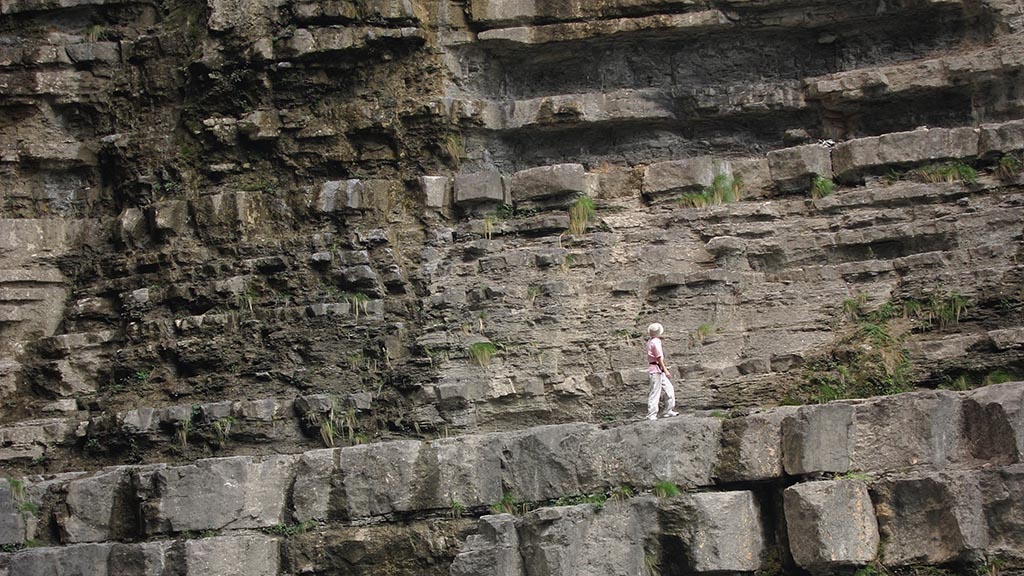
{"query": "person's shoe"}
[(652, 417), (670, 414)]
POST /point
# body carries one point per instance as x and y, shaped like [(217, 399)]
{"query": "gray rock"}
[(469, 469), (314, 483), (547, 182), (752, 446), (678, 176), (904, 430), (260, 125), (493, 551), (995, 140), (171, 217), (132, 226), (234, 555), (817, 439), (436, 191), (831, 524), (12, 525), (379, 479), (215, 494), (921, 520), (480, 187), (853, 159), (546, 462), (993, 423), (679, 450), (794, 169), (98, 508), (68, 560), (720, 531)]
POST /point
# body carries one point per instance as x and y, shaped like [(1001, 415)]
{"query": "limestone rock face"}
[(831, 524)]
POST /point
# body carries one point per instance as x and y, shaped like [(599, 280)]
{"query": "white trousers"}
[(660, 382)]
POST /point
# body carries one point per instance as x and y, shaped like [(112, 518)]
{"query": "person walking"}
[(658, 375)]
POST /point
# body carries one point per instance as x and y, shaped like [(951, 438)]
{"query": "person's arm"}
[(661, 364)]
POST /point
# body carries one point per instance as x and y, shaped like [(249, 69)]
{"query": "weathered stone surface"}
[(817, 439), (547, 462), (378, 479), (98, 508), (548, 182), (702, 21), (855, 158), (469, 469), (353, 194), (678, 176), (993, 423), (12, 525), (720, 531), (436, 191), (752, 446), (479, 187), (831, 523), (678, 450), (238, 492), (793, 169), (494, 550), (234, 555), (994, 140), (907, 430), (171, 217), (78, 559)]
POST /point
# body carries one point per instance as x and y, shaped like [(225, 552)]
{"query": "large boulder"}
[(545, 186), (794, 169), (233, 555), (752, 446), (831, 524), (480, 188), (493, 551), (98, 507), (853, 159), (721, 532), (817, 439), (214, 494), (664, 179)]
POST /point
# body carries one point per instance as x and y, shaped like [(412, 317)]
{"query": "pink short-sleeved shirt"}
[(653, 353)]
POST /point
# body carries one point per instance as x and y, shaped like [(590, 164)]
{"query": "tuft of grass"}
[(509, 505), (621, 493), (454, 148), (181, 432), (456, 510), (822, 187), (581, 214), (290, 529), (1009, 167), (723, 189), (997, 376), (701, 333), (481, 353), (950, 172), (666, 489), (222, 429)]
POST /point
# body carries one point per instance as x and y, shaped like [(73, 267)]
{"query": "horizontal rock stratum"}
[(966, 447)]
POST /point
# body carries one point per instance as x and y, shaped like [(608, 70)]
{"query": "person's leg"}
[(670, 396), (654, 396)]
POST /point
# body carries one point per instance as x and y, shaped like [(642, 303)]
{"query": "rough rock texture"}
[(831, 524), (298, 266)]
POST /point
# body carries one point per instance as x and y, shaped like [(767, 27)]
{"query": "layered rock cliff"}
[(294, 287)]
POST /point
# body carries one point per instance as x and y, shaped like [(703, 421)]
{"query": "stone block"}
[(98, 508), (904, 430), (720, 531), (132, 224), (382, 478), (12, 525), (752, 446), (993, 423), (92, 559), (436, 191), (853, 159), (234, 555), (679, 450), (536, 185), (794, 169), (260, 125), (547, 462), (480, 187), (314, 482), (171, 217), (469, 469), (493, 551), (215, 494), (995, 140), (818, 439), (678, 176), (921, 520), (753, 173), (831, 524), (108, 52), (353, 194)]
